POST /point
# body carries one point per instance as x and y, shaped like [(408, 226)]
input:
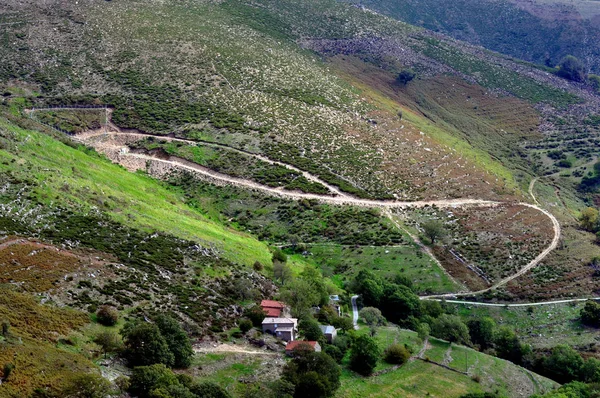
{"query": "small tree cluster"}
[(312, 374), (159, 381), (163, 342)]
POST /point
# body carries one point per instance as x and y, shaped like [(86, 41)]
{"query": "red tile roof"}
[(271, 304), (292, 345), (272, 312)]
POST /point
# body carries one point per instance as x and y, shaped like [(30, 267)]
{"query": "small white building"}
[(329, 332), (283, 328)]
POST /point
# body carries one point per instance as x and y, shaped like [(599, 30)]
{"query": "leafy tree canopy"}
[(364, 355)]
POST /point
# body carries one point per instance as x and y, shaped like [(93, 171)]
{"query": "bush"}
[(405, 76), (396, 354), (571, 68), (245, 325), (107, 315), (258, 266), (590, 314)]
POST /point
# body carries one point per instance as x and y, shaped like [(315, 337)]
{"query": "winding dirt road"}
[(115, 145)]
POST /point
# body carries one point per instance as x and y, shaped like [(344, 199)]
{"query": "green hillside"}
[(270, 140)]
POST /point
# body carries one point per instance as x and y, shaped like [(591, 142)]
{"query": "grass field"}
[(421, 378), (342, 263), (83, 180), (543, 326)]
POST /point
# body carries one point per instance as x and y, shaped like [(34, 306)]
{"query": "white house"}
[(283, 328)]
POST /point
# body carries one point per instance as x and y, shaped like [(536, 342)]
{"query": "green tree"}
[(334, 352), (590, 371), (108, 340), (364, 355), (282, 272), (301, 297), (315, 279), (481, 331), (575, 389), (589, 219), (145, 379), (343, 323), (313, 374), (177, 339), (209, 390), (508, 345), (451, 328), (399, 303), (369, 287), (145, 345), (311, 330), (372, 316), (245, 325), (434, 230), (86, 385), (256, 314), (279, 256), (590, 314), (107, 315), (431, 308), (405, 76), (423, 330), (571, 68), (396, 354), (564, 364)]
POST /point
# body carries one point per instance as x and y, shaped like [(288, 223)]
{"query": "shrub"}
[(245, 325), (107, 315), (396, 354), (571, 68), (590, 314), (258, 266), (405, 76)]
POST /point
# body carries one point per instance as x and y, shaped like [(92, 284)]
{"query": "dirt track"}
[(114, 145)]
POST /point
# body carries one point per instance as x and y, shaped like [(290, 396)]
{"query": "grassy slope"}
[(440, 133), (67, 176), (418, 378), (344, 262), (39, 359)]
